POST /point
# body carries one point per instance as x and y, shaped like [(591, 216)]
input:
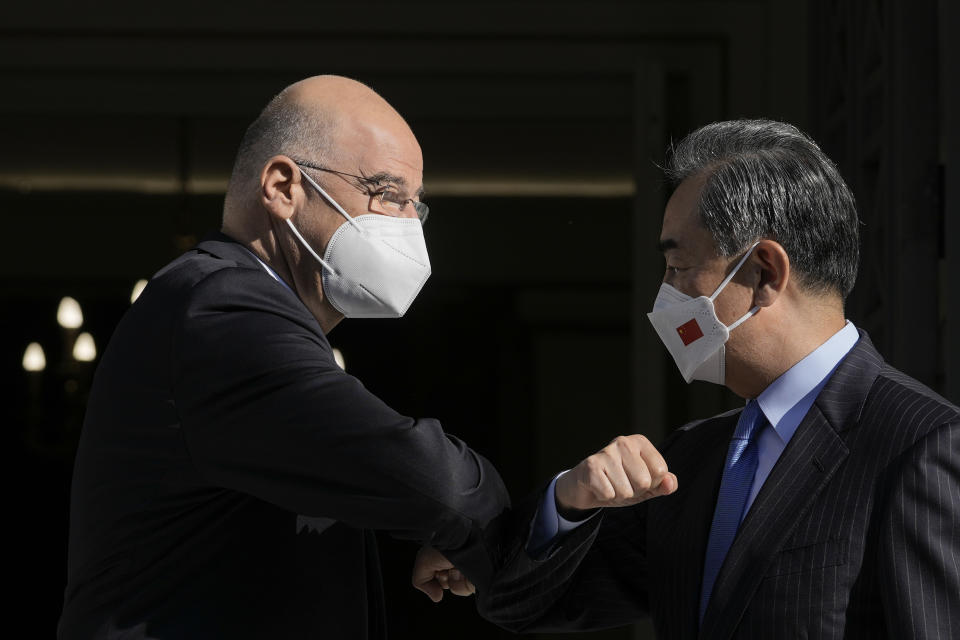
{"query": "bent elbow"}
[(504, 611)]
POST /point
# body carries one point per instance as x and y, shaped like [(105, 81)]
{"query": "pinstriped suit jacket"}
[(855, 534)]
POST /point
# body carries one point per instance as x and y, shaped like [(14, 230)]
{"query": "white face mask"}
[(374, 265), (692, 332)]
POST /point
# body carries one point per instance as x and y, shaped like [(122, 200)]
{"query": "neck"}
[(266, 246), (774, 346)]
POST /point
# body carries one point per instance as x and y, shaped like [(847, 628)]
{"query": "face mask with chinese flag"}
[(692, 332)]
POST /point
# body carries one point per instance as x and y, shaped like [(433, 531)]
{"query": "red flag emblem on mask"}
[(690, 332)]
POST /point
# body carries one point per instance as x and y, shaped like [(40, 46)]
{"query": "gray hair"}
[(767, 179)]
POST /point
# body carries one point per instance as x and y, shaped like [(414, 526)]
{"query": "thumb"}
[(667, 486), (432, 588)]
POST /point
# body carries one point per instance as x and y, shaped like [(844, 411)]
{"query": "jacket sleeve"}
[(265, 410), (919, 551), (592, 578)]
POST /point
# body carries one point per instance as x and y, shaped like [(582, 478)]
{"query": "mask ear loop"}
[(743, 318), (726, 281), (329, 199), (336, 206), (309, 248)]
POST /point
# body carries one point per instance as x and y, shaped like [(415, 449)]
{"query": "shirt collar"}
[(266, 267), (789, 397)]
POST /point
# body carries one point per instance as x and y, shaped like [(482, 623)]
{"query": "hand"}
[(432, 573), (627, 471)]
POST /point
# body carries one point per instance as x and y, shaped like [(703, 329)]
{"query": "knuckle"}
[(594, 470), (607, 459), (641, 478), (632, 446), (597, 479), (592, 464)]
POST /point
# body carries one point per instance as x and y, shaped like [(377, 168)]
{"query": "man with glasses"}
[(230, 474)]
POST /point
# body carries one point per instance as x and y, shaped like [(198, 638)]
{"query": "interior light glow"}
[(84, 349), (33, 358), (137, 290), (69, 315)]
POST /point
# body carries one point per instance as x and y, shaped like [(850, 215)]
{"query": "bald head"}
[(338, 133), (338, 96), (322, 120)]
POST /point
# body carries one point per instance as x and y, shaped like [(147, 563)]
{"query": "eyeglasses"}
[(382, 199)]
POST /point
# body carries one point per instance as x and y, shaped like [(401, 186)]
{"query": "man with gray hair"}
[(230, 475), (828, 507)]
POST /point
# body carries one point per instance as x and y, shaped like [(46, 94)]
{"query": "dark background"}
[(540, 124)]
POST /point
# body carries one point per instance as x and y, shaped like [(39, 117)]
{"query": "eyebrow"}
[(384, 177), (666, 244)]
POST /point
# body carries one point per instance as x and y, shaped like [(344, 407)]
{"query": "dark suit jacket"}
[(230, 473), (855, 533)]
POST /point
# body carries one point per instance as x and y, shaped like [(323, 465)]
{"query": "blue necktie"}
[(738, 472)]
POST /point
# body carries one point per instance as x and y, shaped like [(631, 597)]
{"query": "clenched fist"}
[(433, 573), (627, 471)]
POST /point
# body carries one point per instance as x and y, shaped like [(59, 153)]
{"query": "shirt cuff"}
[(548, 524)]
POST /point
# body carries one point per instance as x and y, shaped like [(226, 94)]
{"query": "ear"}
[(280, 189), (773, 263)]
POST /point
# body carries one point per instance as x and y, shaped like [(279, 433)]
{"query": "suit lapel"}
[(811, 458), (697, 518), (678, 525), (803, 470)]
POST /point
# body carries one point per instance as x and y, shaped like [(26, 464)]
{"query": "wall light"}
[(84, 349), (69, 315), (33, 358), (137, 290), (338, 356)]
